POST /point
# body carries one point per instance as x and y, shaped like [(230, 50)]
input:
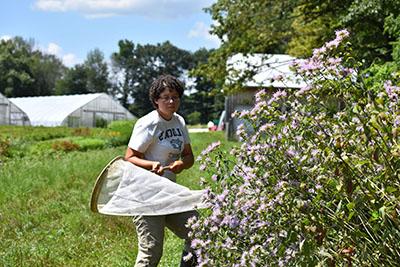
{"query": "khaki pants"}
[(150, 232)]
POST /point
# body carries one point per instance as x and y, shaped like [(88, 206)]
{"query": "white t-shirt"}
[(159, 139)]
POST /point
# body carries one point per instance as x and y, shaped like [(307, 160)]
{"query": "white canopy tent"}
[(71, 110)]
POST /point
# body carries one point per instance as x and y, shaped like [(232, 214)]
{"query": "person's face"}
[(168, 103)]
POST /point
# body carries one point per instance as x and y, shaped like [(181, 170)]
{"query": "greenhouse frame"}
[(86, 110), (10, 114)]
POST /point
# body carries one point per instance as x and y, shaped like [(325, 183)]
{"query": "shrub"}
[(194, 118), (121, 131), (90, 143), (316, 183), (65, 145), (82, 132), (4, 147), (101, 122)]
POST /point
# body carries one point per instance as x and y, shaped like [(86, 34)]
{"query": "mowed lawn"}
[(45, 218)]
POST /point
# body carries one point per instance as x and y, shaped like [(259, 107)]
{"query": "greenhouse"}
[(86, 110), (10, 114)]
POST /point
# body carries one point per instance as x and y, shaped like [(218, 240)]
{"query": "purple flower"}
[(234, 222), (278, 77), (397, 121), (211, 148), (202, 167), (279, 94), (391, 90)]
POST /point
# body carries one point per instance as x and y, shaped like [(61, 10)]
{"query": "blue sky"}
[(71, 28)]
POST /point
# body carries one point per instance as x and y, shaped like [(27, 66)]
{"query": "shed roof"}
[(52, 110), (268, 68)]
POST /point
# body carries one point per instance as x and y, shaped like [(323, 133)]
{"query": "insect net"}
[(125, 189)]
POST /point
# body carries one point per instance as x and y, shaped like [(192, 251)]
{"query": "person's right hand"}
[(157, 168)]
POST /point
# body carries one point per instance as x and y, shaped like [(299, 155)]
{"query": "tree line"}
[(296, 27), (26, 71), (293, 27)]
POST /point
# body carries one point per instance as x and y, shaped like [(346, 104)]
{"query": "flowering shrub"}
[(316, 182)]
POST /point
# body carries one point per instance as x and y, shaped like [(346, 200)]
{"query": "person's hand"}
[(176, 166), (157, 168)]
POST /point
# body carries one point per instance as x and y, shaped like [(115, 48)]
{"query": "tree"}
[(16, 77), (136, 67), (25, 71), (73, 82), (90, 77), (365, 19), (46, 70), (248, 26), (124, 74), (295, 27), (206, 99), (97, 72)]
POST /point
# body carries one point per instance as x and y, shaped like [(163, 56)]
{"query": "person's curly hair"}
[(161, 83)]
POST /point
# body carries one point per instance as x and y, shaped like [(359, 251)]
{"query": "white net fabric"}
[(124, 189)]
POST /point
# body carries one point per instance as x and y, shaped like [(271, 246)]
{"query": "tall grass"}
[(45, 218)]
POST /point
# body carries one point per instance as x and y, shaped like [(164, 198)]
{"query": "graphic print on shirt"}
[(175, 143), (169, 133)]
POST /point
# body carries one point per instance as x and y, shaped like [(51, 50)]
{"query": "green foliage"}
[(97, 72), (4, 147), (141, 65), (194, 118), (295, 27), (64, 145), (45, 216), (20, 141), (25, 71), (101, 122), (73, 82), (90, 143), (314, 184), (246, 27), (89, 77), (121, 131), (206, 98), (366, 19)]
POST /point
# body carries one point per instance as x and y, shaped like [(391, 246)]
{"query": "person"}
[(160, 143)]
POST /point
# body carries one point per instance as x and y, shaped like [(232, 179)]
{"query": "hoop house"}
[(10, 114), (87, 110)]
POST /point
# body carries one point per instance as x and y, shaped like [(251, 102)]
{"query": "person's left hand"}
[(176, 166)]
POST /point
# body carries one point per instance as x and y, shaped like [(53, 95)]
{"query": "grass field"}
[(45, 218)]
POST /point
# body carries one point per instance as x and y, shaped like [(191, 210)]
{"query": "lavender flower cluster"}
[(315, 181)]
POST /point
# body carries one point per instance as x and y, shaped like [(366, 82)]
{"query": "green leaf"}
[(350, 206), (390, 189)]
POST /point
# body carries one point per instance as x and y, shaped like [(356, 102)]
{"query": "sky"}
[(70, 29)]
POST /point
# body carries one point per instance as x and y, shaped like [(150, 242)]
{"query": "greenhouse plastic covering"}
[(51, 110), (124, 189)]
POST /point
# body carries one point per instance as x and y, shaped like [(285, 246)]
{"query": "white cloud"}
[(100, 15), (70, 60), (54, 49), (5, 37), (200, 30), (148, 8)]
